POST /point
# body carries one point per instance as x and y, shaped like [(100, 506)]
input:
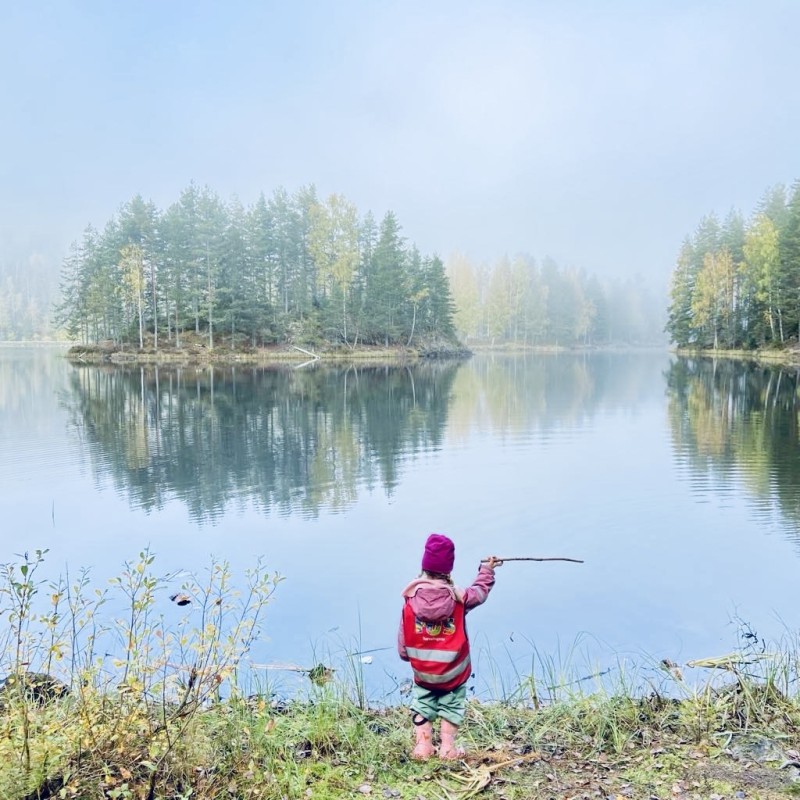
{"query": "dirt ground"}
[(678, 773)]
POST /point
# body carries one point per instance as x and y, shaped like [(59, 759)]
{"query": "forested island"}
[(293, 268), (736, 284)]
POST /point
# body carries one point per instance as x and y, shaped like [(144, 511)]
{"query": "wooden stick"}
[(530, 558)]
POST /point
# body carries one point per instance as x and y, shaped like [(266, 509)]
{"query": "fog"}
[(595, 133)]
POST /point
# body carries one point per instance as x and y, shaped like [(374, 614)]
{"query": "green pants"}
[(448, 705)]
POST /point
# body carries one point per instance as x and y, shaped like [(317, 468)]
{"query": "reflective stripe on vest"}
[(445, 656), (438, 651), (438, 680)]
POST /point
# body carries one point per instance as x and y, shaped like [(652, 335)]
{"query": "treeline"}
[(736, 284), (519, 301), (27, 292), (290, 267)]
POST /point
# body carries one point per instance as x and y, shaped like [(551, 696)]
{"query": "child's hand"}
[(492, 562)]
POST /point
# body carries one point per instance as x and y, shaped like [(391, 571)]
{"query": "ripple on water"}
[(25, 459)]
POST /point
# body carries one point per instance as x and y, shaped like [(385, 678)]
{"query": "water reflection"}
[(27, 377), (282, 439), (524, 396), (735, 425), (302, 440)]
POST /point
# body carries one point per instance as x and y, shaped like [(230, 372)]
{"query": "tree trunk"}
[(155, 303), (210, 303), (141, 322), (413, 325), (344, 314)]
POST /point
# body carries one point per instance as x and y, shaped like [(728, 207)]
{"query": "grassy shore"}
[(195, 349), (781, 356), (737, 742), (106, 699)]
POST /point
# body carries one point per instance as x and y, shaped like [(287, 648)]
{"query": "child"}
[(433, 638)]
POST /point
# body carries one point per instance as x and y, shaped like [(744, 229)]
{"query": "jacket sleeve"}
[(479, 591), (401, 641)]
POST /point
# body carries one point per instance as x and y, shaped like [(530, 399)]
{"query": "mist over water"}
[(675, 480)]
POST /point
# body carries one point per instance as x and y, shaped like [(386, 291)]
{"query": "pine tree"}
[(438, 306), (790, 265), (384, 292)]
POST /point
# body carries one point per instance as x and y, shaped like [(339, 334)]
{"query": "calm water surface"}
[(678, 483)]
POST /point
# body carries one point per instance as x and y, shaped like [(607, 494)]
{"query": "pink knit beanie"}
[(439, 555)]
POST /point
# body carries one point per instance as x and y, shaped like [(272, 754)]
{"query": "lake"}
[(676, 481)]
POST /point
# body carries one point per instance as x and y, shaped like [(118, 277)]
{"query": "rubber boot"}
[(448, 749), (424, 746)]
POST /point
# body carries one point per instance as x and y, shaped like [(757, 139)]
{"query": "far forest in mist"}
[(737, 283), (28, 290), (517, 301), (292, 268)]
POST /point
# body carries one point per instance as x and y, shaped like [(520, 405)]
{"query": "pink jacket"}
[(433, 600)]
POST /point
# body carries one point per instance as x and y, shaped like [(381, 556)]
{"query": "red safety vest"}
[(438, 651)]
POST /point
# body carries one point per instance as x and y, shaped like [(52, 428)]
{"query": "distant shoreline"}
[(785, 356), (34, 343), (196, 353)]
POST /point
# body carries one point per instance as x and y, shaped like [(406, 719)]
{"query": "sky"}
[(594, 132)]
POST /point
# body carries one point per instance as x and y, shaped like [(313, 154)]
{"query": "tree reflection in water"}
[(736, 422), (285, 440), (305, 440)]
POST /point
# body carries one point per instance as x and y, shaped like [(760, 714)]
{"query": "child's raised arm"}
[(479, 591)]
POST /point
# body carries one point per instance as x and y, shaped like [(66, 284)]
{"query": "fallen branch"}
[(318, 674), (476, 780), (287, 667), (307, 352), (531, 558), (729, 662)]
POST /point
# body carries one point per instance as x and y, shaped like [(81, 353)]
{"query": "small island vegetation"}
[(146, 690), (206, 276)]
